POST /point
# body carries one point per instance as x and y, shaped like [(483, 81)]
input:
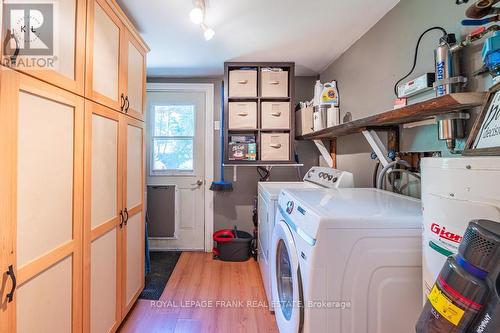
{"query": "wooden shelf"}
[(274, 99), (257, 162), (264, 164), (256, 98), (408, 114)]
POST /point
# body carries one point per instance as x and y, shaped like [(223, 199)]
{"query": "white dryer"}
[(316, 177), (346, 261)]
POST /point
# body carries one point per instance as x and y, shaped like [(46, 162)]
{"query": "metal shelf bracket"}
[(378, 147), (325, 152)]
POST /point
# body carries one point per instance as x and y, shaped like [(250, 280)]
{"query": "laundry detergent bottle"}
[(330, 94)]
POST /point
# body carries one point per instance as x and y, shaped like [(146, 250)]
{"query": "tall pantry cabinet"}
[(114, 228), (41, 181), (72, 179)]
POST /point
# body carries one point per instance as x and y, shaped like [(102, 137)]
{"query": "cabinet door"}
[(134, 74), (54, 48), (133, 231), (102, 219), (44, 205), (104, 30)]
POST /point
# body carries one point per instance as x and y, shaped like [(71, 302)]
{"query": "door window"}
[(285, 280), (173, 139)]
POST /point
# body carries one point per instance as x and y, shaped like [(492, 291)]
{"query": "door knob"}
[(198, 183)]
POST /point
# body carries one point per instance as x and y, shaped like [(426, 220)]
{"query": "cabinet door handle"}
[(121, 219), (242, 114), (126, 216), (242, 81), (128, 104), (10, 272), (8, 36), (276, 114), (275, 145), (274, 83), (122, 102)]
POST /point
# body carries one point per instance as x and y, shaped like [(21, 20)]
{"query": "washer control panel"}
[(329, 177)]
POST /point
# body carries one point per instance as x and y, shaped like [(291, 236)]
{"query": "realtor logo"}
[(28, 31)]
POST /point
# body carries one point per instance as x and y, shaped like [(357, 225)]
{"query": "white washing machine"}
[(454, 192), (346, 261), (316, 177)]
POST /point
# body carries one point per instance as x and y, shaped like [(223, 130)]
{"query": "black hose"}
[(416, 56), (375, 174)]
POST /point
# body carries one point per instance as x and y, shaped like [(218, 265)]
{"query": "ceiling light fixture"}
[(208, 33), (197, 16)]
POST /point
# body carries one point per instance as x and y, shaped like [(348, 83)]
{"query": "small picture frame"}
[(484, 138)]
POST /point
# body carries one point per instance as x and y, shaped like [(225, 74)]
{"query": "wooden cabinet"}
[(41, 197), (103, 219), (72, 178), (134, 75), (57, 56), (104, 31), (116, 61), (133, 203), (114, 221)]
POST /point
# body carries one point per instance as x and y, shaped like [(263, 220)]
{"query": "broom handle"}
[(222, 134)]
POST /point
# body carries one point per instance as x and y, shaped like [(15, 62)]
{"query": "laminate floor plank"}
[(205, 295)]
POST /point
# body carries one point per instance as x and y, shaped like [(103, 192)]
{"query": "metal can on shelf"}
[(320, 116)]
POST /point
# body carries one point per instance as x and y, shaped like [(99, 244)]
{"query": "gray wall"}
[(235, 208), (367, 71)]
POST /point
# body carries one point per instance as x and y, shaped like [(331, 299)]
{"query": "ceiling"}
[(312, 33)]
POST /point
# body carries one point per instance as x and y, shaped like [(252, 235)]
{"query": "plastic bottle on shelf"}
[(318, 90), (330, 94)]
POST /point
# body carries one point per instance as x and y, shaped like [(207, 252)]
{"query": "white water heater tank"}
[(454, 192)]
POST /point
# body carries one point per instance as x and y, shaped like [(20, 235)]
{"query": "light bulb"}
[(196, 15), (209, 34)]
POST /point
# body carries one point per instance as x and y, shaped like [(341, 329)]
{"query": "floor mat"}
[(162, 266)]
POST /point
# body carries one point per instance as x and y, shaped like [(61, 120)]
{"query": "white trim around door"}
[(208, 89)]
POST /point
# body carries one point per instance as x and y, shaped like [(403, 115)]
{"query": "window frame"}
[(169, 172)]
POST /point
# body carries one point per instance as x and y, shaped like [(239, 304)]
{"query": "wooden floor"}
[(206, 295)]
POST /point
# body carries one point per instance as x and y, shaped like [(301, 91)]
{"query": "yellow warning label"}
[(445, 307)]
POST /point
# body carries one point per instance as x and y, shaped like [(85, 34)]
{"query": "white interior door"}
[(176, 157)]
